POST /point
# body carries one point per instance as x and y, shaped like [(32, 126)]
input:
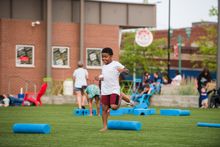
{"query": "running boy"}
[(110, 88)]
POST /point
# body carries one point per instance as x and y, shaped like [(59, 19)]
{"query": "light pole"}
[(188, 33), (168, 41), (218, 50)]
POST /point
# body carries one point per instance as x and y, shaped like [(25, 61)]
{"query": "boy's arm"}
[(123, 70)]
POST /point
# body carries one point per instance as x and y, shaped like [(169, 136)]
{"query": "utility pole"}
[(218, 50)]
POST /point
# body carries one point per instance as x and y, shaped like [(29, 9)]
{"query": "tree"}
[(142, 58), (208, 48), (208, 44)]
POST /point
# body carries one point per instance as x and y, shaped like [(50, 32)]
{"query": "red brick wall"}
[(15, 32), (96, 36), (196, 32), (100, 36), (21, 32), (66, 34)]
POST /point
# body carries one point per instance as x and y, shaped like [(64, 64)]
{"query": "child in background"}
[(93, 92), (4, 100), (110, 88), (204, 98), (80, 77), (147, 90)]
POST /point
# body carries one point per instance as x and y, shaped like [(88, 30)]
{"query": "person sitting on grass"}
[(4, 100), (147, 90), (176, 81), (157, 83), (93, 92)]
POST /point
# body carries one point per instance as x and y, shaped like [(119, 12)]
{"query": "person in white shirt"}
[(80, 77), (5, 100), (110, 88), (177, 79)]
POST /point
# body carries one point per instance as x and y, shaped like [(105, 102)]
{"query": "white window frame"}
[(68, 57), (98, 58), (18, 59)]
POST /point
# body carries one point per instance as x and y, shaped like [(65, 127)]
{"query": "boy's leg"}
[(125, 97), (115, 101), (104, 117), (84, 99), (105, 100), (78, 97), (90, 106), (97, 105)]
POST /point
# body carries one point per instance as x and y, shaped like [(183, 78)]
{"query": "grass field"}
[(69, 130)]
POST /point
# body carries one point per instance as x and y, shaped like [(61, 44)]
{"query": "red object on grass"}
[(36, 101)]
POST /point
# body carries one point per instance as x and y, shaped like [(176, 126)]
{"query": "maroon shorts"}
[(110, 99)]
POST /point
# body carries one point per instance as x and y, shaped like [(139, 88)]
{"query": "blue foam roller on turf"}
[(86, 112), (118, 112), (212, 125), (94, 112), (174, 112), (124, 125), (140, 111), (152, 111), (78, 112), (31, 128), (127, 110), (141, 106), (144, 111)]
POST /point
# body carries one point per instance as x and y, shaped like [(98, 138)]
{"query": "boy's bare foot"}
[(103, 130)]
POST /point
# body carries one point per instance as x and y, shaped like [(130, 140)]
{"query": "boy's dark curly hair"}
[(107, 50)]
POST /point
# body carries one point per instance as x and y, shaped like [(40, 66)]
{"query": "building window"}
[(93, 58), (24, 56), (60, 57)]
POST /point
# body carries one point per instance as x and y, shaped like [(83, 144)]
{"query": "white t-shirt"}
[(81, 75), (6, 102), (110, 83), (177, 80)]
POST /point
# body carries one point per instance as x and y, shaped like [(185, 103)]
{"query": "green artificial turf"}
[(70, 130)]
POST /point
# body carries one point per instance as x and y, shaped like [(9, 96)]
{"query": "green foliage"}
[(187, 87), (68, 130), (208, 47), (208, 44), (213, 11), (142, 58)]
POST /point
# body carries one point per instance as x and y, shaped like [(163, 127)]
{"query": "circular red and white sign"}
[(143, 37)]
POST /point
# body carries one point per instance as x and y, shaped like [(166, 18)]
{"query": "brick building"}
[(189, 47), (46, 38)]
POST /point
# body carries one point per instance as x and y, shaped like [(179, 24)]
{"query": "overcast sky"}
[(183, 12)]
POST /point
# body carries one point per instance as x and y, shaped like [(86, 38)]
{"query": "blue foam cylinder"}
[(87, 112), (124, 125), (31, 128), (141, 106), (94, 112), (212, 125), (117, 112), (78, 112), (152, 111), (174, 112), (144, 111), (127, 110)]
